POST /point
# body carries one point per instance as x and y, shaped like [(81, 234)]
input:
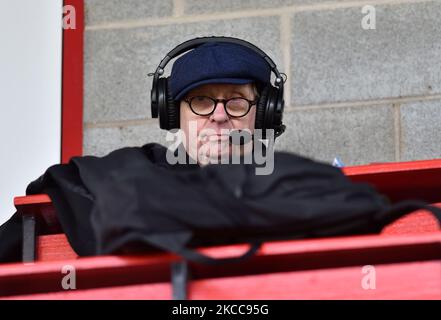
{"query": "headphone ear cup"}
[(172, 112), (279, 127), (271, 104), (168, 115), (260, 109), (162, 103)]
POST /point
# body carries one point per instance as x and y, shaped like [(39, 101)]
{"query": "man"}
[(216, 87)]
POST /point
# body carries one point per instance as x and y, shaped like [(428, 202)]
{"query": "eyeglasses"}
[(234, 107)]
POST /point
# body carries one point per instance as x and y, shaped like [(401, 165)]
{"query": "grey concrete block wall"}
[(362, 95), (335, 60), (102, 11), (355, 135), (421, 130), (99, 141), (212, 6)]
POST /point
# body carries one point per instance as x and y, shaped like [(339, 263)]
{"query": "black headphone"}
[(269, 108)]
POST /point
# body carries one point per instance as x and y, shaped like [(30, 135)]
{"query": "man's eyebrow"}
[(239, 92), (243, 94), (210, 94)]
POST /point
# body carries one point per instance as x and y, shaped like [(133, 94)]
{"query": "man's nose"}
[(219, 114)]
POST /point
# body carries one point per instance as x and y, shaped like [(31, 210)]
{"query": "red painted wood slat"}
[(417, 280), (274, 257)]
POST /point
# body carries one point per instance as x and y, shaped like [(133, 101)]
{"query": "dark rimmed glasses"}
[(237, 107)]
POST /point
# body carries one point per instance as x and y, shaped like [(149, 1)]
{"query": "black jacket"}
[(133, 199)]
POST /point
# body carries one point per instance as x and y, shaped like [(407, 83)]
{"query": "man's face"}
[(212, 140)]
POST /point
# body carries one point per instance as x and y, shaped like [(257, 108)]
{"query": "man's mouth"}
[(215, 138), (218, 137)]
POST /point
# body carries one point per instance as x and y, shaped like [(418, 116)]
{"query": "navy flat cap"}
[(217, 62)]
